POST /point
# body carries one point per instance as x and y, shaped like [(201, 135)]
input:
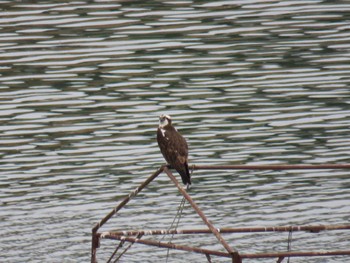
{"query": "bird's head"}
[(164, 120)]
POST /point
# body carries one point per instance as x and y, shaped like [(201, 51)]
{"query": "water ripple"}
[(247, 82)]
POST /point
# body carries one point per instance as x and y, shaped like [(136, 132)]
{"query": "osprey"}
[(173, 147)]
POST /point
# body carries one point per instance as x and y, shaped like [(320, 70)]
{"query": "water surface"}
[(82, 84)]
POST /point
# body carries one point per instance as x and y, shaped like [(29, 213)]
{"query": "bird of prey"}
[(173, 147)]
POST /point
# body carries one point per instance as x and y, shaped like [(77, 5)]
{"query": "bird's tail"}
[(185, 175)]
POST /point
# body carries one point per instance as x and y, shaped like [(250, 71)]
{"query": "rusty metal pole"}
[(167, 245), (95, 237), (310, 228), (224, 254), (298, 254), (233, 252), (271, 167), (236, 257)]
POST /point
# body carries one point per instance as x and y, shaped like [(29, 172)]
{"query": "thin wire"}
[(289, 246), (208, 258), (121, 243), (126, 249), (178, 217)]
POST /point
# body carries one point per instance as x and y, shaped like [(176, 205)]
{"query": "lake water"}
[(82, 84)]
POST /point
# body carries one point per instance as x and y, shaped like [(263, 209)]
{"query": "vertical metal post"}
[(233, 252)]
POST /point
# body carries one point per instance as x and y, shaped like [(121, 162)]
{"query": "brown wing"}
[(175, 151)]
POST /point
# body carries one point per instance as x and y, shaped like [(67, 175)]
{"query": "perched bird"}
[(173, 147)]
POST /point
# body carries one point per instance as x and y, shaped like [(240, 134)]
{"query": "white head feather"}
[(164, 120)]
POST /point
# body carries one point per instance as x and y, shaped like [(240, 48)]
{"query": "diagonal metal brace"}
[(233, 252)]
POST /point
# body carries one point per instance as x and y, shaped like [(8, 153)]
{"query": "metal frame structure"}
[(232, 253)]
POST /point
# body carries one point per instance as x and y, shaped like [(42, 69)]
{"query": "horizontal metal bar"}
[(167, 245), (313, 229), (271, 167), (297, 254), (224, 254)]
